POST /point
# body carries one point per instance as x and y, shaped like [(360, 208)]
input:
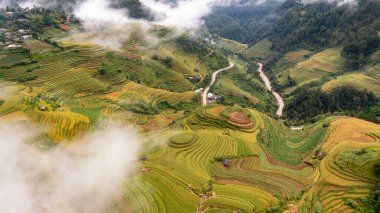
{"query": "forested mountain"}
[(245, 22), (315, 26)]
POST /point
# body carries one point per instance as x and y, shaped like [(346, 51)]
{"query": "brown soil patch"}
[(131, 56), (240, 119), (65, 27), (158, 123), (273, 161), (292, 208)]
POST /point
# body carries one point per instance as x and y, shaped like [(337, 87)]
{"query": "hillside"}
[(120, 120), (309, 47)]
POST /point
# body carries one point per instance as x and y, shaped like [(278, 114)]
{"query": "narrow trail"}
[(213, 79), (280, 101), (199, 62)]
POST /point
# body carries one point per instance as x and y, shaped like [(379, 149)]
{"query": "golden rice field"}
[(316, 67), (337, 182), (368, 79)]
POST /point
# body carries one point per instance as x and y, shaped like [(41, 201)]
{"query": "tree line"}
[(306, 104)]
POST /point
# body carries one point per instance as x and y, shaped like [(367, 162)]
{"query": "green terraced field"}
[(260, 50)]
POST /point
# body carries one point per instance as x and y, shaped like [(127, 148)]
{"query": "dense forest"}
[(243, 22), (313, 26), (309, 103)]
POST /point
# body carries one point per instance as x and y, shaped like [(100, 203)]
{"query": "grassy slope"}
[(233, 46), (261, 50)]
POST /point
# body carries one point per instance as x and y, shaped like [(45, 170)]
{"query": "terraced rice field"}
[(211, 159), (132, 92), (62, 125), (368, 79), (319, 65), (339, 181)]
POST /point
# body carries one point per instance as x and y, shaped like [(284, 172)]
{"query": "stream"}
[(280, 101)]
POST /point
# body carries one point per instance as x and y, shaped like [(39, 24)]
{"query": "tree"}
[(168, 61)]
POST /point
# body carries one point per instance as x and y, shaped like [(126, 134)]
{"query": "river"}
[(280, 101)]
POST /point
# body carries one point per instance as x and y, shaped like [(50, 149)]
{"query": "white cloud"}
[(83, 176), (186, 15), (98, 13)]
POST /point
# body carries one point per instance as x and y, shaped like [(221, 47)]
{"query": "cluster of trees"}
[(359, 47), (309, 103), (135, 9), (242, 22), (191, 45)]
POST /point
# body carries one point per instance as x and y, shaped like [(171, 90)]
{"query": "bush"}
[(154, 57), (168, 61)]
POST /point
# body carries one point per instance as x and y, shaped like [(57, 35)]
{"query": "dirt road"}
[(213, 79)]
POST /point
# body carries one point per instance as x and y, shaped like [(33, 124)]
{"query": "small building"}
[(10, 14), (194, 79), (226, 163), (13, 46), (26, 37), (43, 109), (298, 128), (211, 96), (199, 90)]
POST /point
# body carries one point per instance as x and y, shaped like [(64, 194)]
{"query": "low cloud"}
[(80, 176), (110, 27), (185, 15)]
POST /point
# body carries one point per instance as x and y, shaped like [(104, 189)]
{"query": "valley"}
[(190, 106)]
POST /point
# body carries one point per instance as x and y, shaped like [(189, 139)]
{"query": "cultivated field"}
[(196, 159)]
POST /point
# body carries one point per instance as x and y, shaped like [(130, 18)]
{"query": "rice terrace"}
[(190, 106)]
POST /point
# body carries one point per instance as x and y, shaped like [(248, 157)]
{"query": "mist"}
[(111, 27), (85, 175)]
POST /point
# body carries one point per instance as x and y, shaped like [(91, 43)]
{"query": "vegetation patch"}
[(261, 50), (361, 162), (182, 140)]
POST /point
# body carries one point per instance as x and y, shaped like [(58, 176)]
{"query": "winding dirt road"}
[(280, 101), (213, 79)]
